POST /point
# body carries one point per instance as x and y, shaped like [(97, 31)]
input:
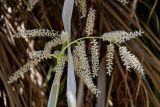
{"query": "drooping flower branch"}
[(90, 21), (36, 33), (121, 36), (129, 60), (109, 58), (94, 57), (82, 5), (53, 43), (82, 67), (36, 59), (81, 61)]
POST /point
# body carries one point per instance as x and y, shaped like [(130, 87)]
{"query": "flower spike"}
[(36, 33), (82, 67), (109, 58), (129, 60), (94, 57), (36, 58), (121, 36), (90, 21)]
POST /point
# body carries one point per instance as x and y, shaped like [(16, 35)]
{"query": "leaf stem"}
[(75, 41)]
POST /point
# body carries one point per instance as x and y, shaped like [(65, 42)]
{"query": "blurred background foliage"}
[(123, 89)]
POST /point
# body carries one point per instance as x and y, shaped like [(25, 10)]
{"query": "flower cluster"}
[(39, 55), (129, 60), (82, 4), (22, 70), (81, 62), (121, 36), (64, 37), (124, 2), (59, 69), (31, 4), (94, 57), (36, 33), (90, 21), (82, 67), (56, 41), (53, 43), (109, 58), (36, 58)]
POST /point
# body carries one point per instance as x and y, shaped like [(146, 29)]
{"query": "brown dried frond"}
[(90, 21), (94, 57), (36, 33), (109, 58), (82, 67)]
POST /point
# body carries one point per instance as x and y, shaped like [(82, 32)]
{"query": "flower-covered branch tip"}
[(59, 69), (36, 57), (94, 57), (82, 68), (120, 36), (36, 33), (109, 58), (90, 21), (129, 60), (82, 4), (124, 2)]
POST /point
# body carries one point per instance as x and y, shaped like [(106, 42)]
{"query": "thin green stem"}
[(69, 44), (53, 55)]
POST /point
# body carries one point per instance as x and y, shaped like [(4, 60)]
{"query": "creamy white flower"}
[(51, 44), (94, 57), (121, 36), (109, 58), (64, 36), (90, 21), (59, 70), (82, 67), (124, 2), (82, 4), (129, 60), (36, 58), (31, 4), (36, 33)]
